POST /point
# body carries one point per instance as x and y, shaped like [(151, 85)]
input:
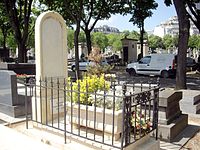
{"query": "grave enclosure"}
[(51, 71)]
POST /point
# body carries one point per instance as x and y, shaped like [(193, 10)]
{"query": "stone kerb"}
[(51, 60)]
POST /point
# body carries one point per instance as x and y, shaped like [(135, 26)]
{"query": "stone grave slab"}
[(11, 103), (190, 102), (171, 120)]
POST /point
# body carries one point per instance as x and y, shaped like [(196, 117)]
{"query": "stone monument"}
[(11, 103), (171, 120), (51, 62), (190, 102)]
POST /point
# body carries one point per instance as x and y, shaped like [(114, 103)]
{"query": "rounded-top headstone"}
[(50, 46)]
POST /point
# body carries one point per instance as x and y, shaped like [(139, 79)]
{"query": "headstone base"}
[(16, 110), (169, 132), (13, 111)]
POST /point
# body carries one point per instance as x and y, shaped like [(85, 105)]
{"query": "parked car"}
[(83, 65), (154, 64), (191, 64)]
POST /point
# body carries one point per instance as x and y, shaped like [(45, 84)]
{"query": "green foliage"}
[(81, 37), (114, 41), (132, 35), (155, 42), (70, 39), (194, 41), (100, 40), (82, 89), (168, 41), (140, 10), (11, 42)]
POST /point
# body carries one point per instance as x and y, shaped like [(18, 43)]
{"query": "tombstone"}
[(51, 61), (11, 103), (19, 68), (171, 120), (190, 102)]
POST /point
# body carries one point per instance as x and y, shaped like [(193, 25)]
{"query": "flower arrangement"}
[(140, 124), (22, 76)]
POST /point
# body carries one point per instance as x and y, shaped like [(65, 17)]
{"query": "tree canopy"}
[(18, 13), (140, 10)]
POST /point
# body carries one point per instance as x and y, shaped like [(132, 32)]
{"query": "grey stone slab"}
[(190, 102), (3, 66), (193, 109), (169, 97), (169, 132), (8, 88), (162, 119), (191, 96), (15, 111)]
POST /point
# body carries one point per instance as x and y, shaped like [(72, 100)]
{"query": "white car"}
[(83, 65), (154, 64)]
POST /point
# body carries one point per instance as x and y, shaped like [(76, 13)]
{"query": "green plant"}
[(82, 89)]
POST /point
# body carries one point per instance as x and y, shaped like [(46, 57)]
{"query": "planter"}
[(108, 124)]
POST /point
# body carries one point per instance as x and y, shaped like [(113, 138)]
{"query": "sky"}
[(161, 14)]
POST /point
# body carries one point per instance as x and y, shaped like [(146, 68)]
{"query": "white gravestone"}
[(51, 63)]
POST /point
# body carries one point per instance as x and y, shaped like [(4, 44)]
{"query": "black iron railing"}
[(116, 114)]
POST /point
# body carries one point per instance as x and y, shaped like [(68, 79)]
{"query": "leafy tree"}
[(70, 39), (95, 10), (87, 11), (134, 35), (19, 13), (184, 25), (114, 41), (11, 43), (4, 25), (72, 12), (100, 40), (140, 10), (169, 41), (82, 37), (155, 42), (194, 42), (125, 33)]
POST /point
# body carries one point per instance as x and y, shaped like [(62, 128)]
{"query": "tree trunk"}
[(184, 25), (88, 40), (22, 52), (141, 38), (76, 35), (4, 32)]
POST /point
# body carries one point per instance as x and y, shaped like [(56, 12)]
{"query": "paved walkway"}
[(13, 140)]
